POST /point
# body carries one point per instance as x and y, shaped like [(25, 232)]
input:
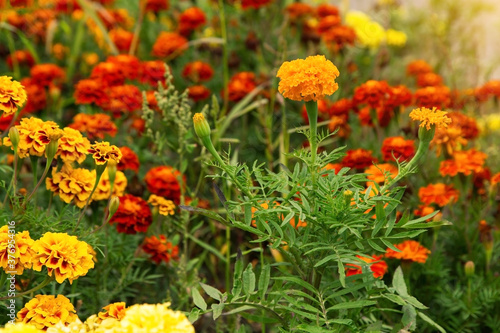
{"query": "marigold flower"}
[(339, 36), (198, 93), (121, 38), (299, 10), (429, 97), (12, 95), (336, 167), (91, 91), (20, 328), (379, 268), (21, 252), (45, 311), (160, 249), (398, 96), (424, 210), (326, 9), (36, 96), (418, 67), (114, 310), (129, 160), (103, 152), (71, 185), (467, 125), (410, 250), (156, 5), (162, 181), (449, 138), (489, 89), (103, 190), (358, 159), (46, 74), (369, 33), (328, 22), (96, 126), (198, 71), (396, 148), (165, 207), (439, 194), (168, 44), (309, 79), (110, 73), (372, 93), (125, 98), (395, 38), (429, 80), (495, 179), (240, 85), (465, 162), (380, 173), (152, 72), (191, 19), (155, 318), (73, 147), (21, 57), (133, 215), (428, 117), (64, 256), (246, 4), (129, 65)]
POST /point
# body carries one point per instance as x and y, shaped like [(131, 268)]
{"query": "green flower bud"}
[(14, 137), (114, 203), (201, 126), (469, 268)]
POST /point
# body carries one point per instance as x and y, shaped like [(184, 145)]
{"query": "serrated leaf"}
[(211, 291), (198, 299), (248, 280)]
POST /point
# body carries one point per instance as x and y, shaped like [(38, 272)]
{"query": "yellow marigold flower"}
[(73, 146), (102, 192), (20, 328), (114, 310), (12, 95), (75, 327), (108, 325), (428, 117), (154, 318), (309, 79), (45, 311), (64, 256), (34, 136), (395, 37), (166, 207), (71, 185), (368, 33), (103, 152), (22, 250)]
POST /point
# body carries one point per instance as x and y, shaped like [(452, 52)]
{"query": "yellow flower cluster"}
[(45, 311), (12, 95), (165, 207), (71, 185), (22, 250), (102, 192), (103, 152), (64, 256), (309, 79), (428, 117)]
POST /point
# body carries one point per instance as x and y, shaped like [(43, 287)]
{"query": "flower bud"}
[(426, 135), (14, 137), (469, 268), (348, 197), (112, 171), (201, 126), (114, 203)]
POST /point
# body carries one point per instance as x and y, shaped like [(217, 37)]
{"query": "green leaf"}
[(298, 281), (211, 291), (398, 282), (409, 318), (198, 299), (415, 302), (394, 298), (390, 245), (207, 213), (375, 246), (248, 280), (341, 271), (351, 305), (431, 322), (217, 310), (326, 259), (194, 315), (248, 213), (381, 218), (238, 271), (265, 277)]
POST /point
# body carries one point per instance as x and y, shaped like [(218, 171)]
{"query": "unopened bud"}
[(14, 137), (426, 135), (469, 268), (201, 126), (112, 171), (348, 196), (114, 203), (51, 149)]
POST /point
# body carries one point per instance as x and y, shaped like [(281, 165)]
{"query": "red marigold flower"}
[(163, 181), (45, 74), (156, 5), (96, 126), (439, 194), (430, 97), (339, 36), (396, 148), (191, 19), (328, 22), (399, 96), (160, 249), (372, 93), (325, 10), (198, 93), (341, 107), (246, 4), (465, 162), (151, 99), (133, 215), (418, 67), (489, 89), (298, 10), (67, 6), (429, 80), (240, 85), (410, 250), (91, 91), (379, 268), (109, 73), (358, 159), (467, 125), (169, 44), (129, 160), (152, 71), (121, 38), (340, 124), (128, 64), (21, 57), (126, 98), (198, 71)]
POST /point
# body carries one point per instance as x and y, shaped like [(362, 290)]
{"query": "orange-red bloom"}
[(380, 173), (418, 67), (379, 268), (152, 71), (299, 10), (46, 74), (163, 181), (372, 93), (91, 91), (198, 71), (397, 148), (358, 159), (191, 19), (465, 162), (156, 5), (21, 57), (429, 80), (133, 215), (121, 99), (240, 85), (96, 126), (246, 4), (439, 194), (37, 96), (160, 249), (129, 65), (169, 44), (198, 93), (429, 97), (326, 9), (121, 38), (110, 73), (129, 160), (410, 250)]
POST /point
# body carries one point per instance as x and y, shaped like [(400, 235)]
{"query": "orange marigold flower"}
[(64, 256), (429, 80), (380, 173), (45, 74), (91, 91), (396, 148), (336, 167), (125, 98), (71, 185), (198, 93), (103, 152), (129, 65), (37, 96), (339, 124), (429, 97), (160, 249), (156, 5), (165, 207), (163, 181), (240, 85), (169, 44), (103, 190), (299, 10), (424, 210), (326, 9), (495, 179), (377, 266), (198, 71), (449, 138), (133, 215), (151, 100), (114, 310), (129, 160), (246, 4), (110, 73), (358, 159), (328, 22), (372, 93), (339, 36), (418, 67), (191, 19), (410, 250), (152, 71), (121, 38), (489, 89), (73, 146), (309, 79), (428, 117), (21, 251), (465, 162), (398, 96), (21, 57), (45, 311), (96, 126), (34, 136), (439, 194), (467, 125), (12, 95)]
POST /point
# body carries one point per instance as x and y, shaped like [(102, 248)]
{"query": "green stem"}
[(44, 174), (312, 114), (40, 286)]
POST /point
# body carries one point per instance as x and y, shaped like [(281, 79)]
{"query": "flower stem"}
[(312, 114), (40, 286), (44, 174)]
